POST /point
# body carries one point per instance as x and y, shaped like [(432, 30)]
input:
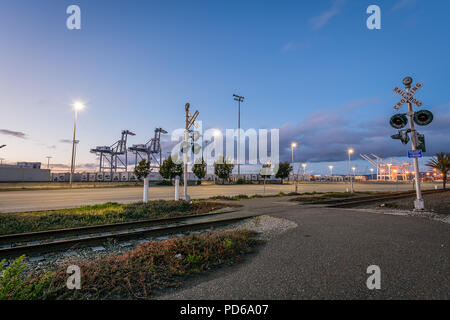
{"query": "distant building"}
[(24, 172), (34, 165)]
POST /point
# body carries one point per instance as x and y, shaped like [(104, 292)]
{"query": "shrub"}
[(164, 183), (152, 265), (14, 285)]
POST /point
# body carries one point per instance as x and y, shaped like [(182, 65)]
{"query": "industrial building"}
[(24, 172)]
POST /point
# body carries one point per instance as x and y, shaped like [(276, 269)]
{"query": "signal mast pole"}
[(419, 203)]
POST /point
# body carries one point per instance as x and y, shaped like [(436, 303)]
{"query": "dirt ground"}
[(437, 203)]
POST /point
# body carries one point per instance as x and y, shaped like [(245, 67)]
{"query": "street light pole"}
[(77, 107), (239, 99), (293, 145), (350, 151)]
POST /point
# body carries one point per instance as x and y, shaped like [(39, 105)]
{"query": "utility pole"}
[(239, 99), (48, 161)]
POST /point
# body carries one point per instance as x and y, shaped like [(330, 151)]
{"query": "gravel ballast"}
[(267, 227)]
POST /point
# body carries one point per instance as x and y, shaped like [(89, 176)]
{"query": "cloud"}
[(293, 45), (288, 46), (16, 134), (326, 135), (321, 20), (65, 141), (401, 4)]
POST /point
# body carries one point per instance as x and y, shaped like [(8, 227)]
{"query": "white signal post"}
[(408, 97), (190, 120)]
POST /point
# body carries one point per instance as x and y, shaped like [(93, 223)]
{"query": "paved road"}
[(327, 255), (16, 201)]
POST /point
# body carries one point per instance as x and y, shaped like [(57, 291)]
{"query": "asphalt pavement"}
[(327, 256)]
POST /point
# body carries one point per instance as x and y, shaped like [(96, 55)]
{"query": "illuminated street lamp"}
[(350, 152), (371, 173), (293, 145), (331, 169), (77, 106), (304, 168)]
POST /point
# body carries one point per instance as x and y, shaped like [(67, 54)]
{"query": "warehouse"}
[(24, 172)]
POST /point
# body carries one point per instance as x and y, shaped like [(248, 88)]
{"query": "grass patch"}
[(152, 266), (107, 213), (244, 196), (324, 196)]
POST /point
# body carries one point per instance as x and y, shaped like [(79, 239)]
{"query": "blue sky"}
[(310, 68)]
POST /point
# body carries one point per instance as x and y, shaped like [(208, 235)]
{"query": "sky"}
[(309, 68)]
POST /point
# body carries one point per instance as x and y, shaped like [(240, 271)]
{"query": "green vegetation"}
[(15, 285), (199, 169), (244, 196), (170, 170), (324, 196), (442, 164), (137, 273), (142, 169), (223, 169), (284, 170), (100, 214)]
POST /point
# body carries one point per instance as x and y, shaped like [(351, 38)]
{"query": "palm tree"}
[(441, 163)]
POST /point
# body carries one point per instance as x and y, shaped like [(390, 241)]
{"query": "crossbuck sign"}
[(407, 96)]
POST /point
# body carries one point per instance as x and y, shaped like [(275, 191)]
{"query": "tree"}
[(441, 163), (169, 169), (199, 169), (223, 169), (142, 169), (284, 169)]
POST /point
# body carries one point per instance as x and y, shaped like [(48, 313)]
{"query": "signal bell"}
[(398, 121), (423, 117), (402, 135)]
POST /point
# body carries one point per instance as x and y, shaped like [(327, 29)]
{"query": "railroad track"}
[(340, 203), (57, 240)]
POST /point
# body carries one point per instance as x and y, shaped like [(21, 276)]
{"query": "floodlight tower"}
[(77, 106), (350, 152), (239, 99)]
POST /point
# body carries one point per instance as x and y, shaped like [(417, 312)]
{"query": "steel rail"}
[(59, 245)]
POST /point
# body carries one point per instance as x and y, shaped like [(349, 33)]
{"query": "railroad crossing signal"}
[(398, 121), (423, 117), (407, 96), (402, 135)]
